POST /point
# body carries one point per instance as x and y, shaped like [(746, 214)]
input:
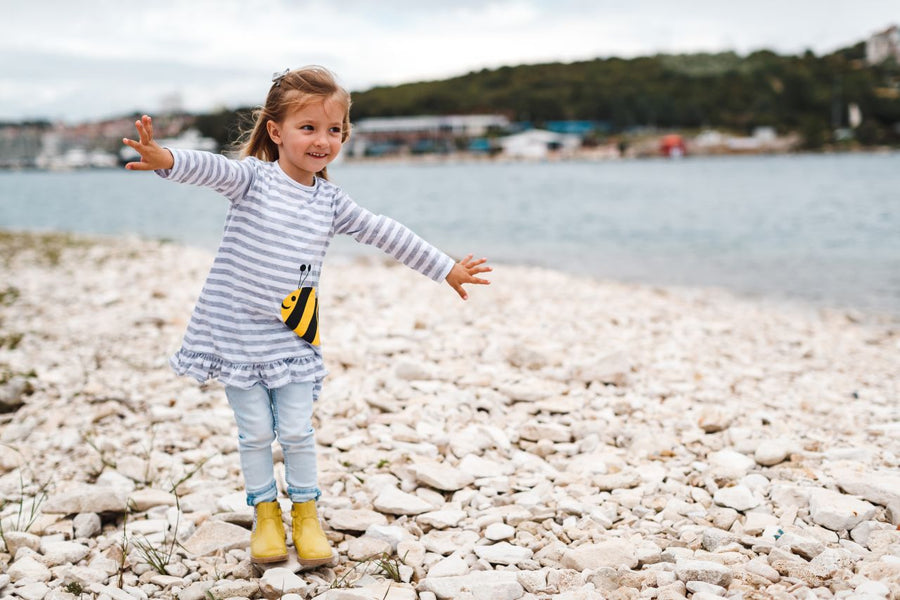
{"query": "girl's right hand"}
[(153, 156)]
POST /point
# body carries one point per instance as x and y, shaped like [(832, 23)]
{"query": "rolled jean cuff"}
[(299, 495), (267, 494)]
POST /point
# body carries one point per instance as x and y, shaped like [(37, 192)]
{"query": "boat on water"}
[(672, 145)]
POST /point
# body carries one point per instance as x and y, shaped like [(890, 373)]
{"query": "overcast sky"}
[(76, 61)]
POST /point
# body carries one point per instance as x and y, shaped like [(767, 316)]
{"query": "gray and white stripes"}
[(273, 226)]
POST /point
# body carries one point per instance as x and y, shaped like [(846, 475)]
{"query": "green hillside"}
[(807, 94)]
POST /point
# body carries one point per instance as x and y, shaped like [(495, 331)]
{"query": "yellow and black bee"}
[(300, 311)]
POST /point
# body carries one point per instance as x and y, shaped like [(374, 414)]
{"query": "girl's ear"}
[(274, 131)]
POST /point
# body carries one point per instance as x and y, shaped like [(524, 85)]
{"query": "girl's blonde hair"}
[(294, 89)]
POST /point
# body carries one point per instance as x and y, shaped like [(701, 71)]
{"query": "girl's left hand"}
[(464, 272), (153, 156)]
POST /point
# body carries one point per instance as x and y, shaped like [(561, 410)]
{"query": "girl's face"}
[(308, 138)]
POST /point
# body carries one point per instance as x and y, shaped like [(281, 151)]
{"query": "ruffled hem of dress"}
[(274, 374)]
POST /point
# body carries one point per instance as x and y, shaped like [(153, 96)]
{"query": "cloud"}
[(62, 86), (102, 57)]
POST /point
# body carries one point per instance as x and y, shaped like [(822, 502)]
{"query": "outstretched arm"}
[(153, 156), (464, 272)]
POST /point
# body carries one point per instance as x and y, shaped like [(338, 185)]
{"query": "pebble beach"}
[(555, 436)]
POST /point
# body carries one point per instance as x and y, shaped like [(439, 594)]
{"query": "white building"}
[(432, 132), (538, 143), (884, 45), (459, 125)]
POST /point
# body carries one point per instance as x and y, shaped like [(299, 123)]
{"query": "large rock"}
[(84, 576), (10, 458), (534, 582), (373, 591), (873, 588), (87, 499), (166, 581), (233, 503), (452, 566), (147, 498), (529, 356), (756, 522), (886, 570), (392, 534), (759, 567), (827, 564), (499, 531), (480, 585), (395, 502), (713, 420), (448, 542), (216, 536), (880, 487), (28, 568), (33, 591), (503, 553), (114, 593), (772, 452), (196, 591), (13, 393), (21, 539), (738, 497), (234, 589), (441, 519), (58, 553), (414, 370), (617, 481), (714, 538), (87, 525), (531, 390), (703, 570), (612, 553), (789, 496), (411, 552), (612, 368), (838, 511), (553, 432), (478, 467), (347, 519), (279, 581), (476, 438), (365, 547), (731, 463), (802, 545), (441, 476)]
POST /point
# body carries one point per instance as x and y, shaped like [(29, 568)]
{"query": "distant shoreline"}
[(482, 159), (582, 156)]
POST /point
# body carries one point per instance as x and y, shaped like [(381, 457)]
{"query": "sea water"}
[(823, 229)]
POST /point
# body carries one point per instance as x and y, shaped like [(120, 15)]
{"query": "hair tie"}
[(277, 77)]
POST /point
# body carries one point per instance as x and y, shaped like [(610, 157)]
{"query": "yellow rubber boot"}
[(267, 543), (310, 542)]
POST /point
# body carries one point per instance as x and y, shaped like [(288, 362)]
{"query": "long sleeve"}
[(232, 178), (390, 236)]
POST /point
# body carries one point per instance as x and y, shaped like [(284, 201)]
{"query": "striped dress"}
[(273, 226)]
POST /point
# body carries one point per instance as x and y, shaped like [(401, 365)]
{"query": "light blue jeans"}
[(262, 415)]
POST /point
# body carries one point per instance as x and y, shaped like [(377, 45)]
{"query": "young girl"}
[(255, 325)]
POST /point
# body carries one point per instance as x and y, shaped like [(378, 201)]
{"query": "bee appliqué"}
[(300, 310)]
